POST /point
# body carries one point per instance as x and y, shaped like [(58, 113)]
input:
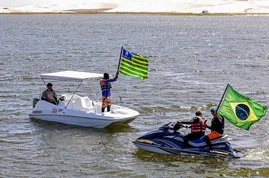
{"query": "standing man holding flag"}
[(130, 64), (106, 93)]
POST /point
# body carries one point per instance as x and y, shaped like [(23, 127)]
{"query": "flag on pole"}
[(134, 64), (239, 109)]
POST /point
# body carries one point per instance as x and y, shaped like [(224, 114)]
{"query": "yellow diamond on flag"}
[(243, 112)]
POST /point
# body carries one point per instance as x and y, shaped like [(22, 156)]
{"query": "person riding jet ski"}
[(217, 127), (169, 140), (198, 128)]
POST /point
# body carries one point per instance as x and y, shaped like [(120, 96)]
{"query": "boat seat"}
[(86, 102), (82, 103), (78, 104), (97, 109)]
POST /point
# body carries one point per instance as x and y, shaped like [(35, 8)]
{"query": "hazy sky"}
[(20, 3)]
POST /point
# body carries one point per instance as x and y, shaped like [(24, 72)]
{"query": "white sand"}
[(177, 6)]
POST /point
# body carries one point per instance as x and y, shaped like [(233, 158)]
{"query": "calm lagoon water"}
[(192, 59)]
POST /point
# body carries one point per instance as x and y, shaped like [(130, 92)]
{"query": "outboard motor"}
[(35, 100)]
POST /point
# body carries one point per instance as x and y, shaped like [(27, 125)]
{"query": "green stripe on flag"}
[(134, 65)]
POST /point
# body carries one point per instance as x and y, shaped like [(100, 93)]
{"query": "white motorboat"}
[(79, 110)]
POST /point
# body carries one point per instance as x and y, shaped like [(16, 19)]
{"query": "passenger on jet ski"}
[(217, 127), (198, 128)]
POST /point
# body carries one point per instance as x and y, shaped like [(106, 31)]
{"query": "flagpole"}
[(120, 59), (222, 96)]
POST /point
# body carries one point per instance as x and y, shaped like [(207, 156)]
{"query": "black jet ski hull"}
[(197, 151), (164, 141)]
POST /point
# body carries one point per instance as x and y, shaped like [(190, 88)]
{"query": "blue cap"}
[(213, 109)]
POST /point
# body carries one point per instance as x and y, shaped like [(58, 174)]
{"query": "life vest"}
[(105, 86), (198, 126)]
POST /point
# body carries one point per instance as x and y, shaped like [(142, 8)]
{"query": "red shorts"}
[(213, 135), (106, 101)]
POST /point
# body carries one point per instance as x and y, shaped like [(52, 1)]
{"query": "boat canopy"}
[(70, 76)]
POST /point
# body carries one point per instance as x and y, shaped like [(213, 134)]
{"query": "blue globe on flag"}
[(242, 111)]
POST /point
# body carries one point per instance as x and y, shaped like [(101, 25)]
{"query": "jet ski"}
[(168, 140)]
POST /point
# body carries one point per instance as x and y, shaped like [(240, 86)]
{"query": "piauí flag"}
[(239, 109), (134, 64)]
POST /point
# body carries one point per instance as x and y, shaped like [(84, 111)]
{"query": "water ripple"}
[(191, 60)]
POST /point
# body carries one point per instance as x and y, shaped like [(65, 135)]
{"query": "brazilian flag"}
[(134, 64), (239, 109)]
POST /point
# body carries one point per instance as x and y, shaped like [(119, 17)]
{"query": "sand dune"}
[(136, 6)]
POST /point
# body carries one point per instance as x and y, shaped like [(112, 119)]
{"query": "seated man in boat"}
[(106, 93), (198, 128), (49, 94), (217, 127)]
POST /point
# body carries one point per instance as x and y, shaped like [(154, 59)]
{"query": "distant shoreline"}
[(101, 11), (151, 7)]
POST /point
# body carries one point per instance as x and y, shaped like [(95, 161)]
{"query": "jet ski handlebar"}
[(176, 125), (184, 126)]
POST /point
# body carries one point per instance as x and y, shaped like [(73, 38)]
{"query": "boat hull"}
[(85, 117), (83, 121)]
